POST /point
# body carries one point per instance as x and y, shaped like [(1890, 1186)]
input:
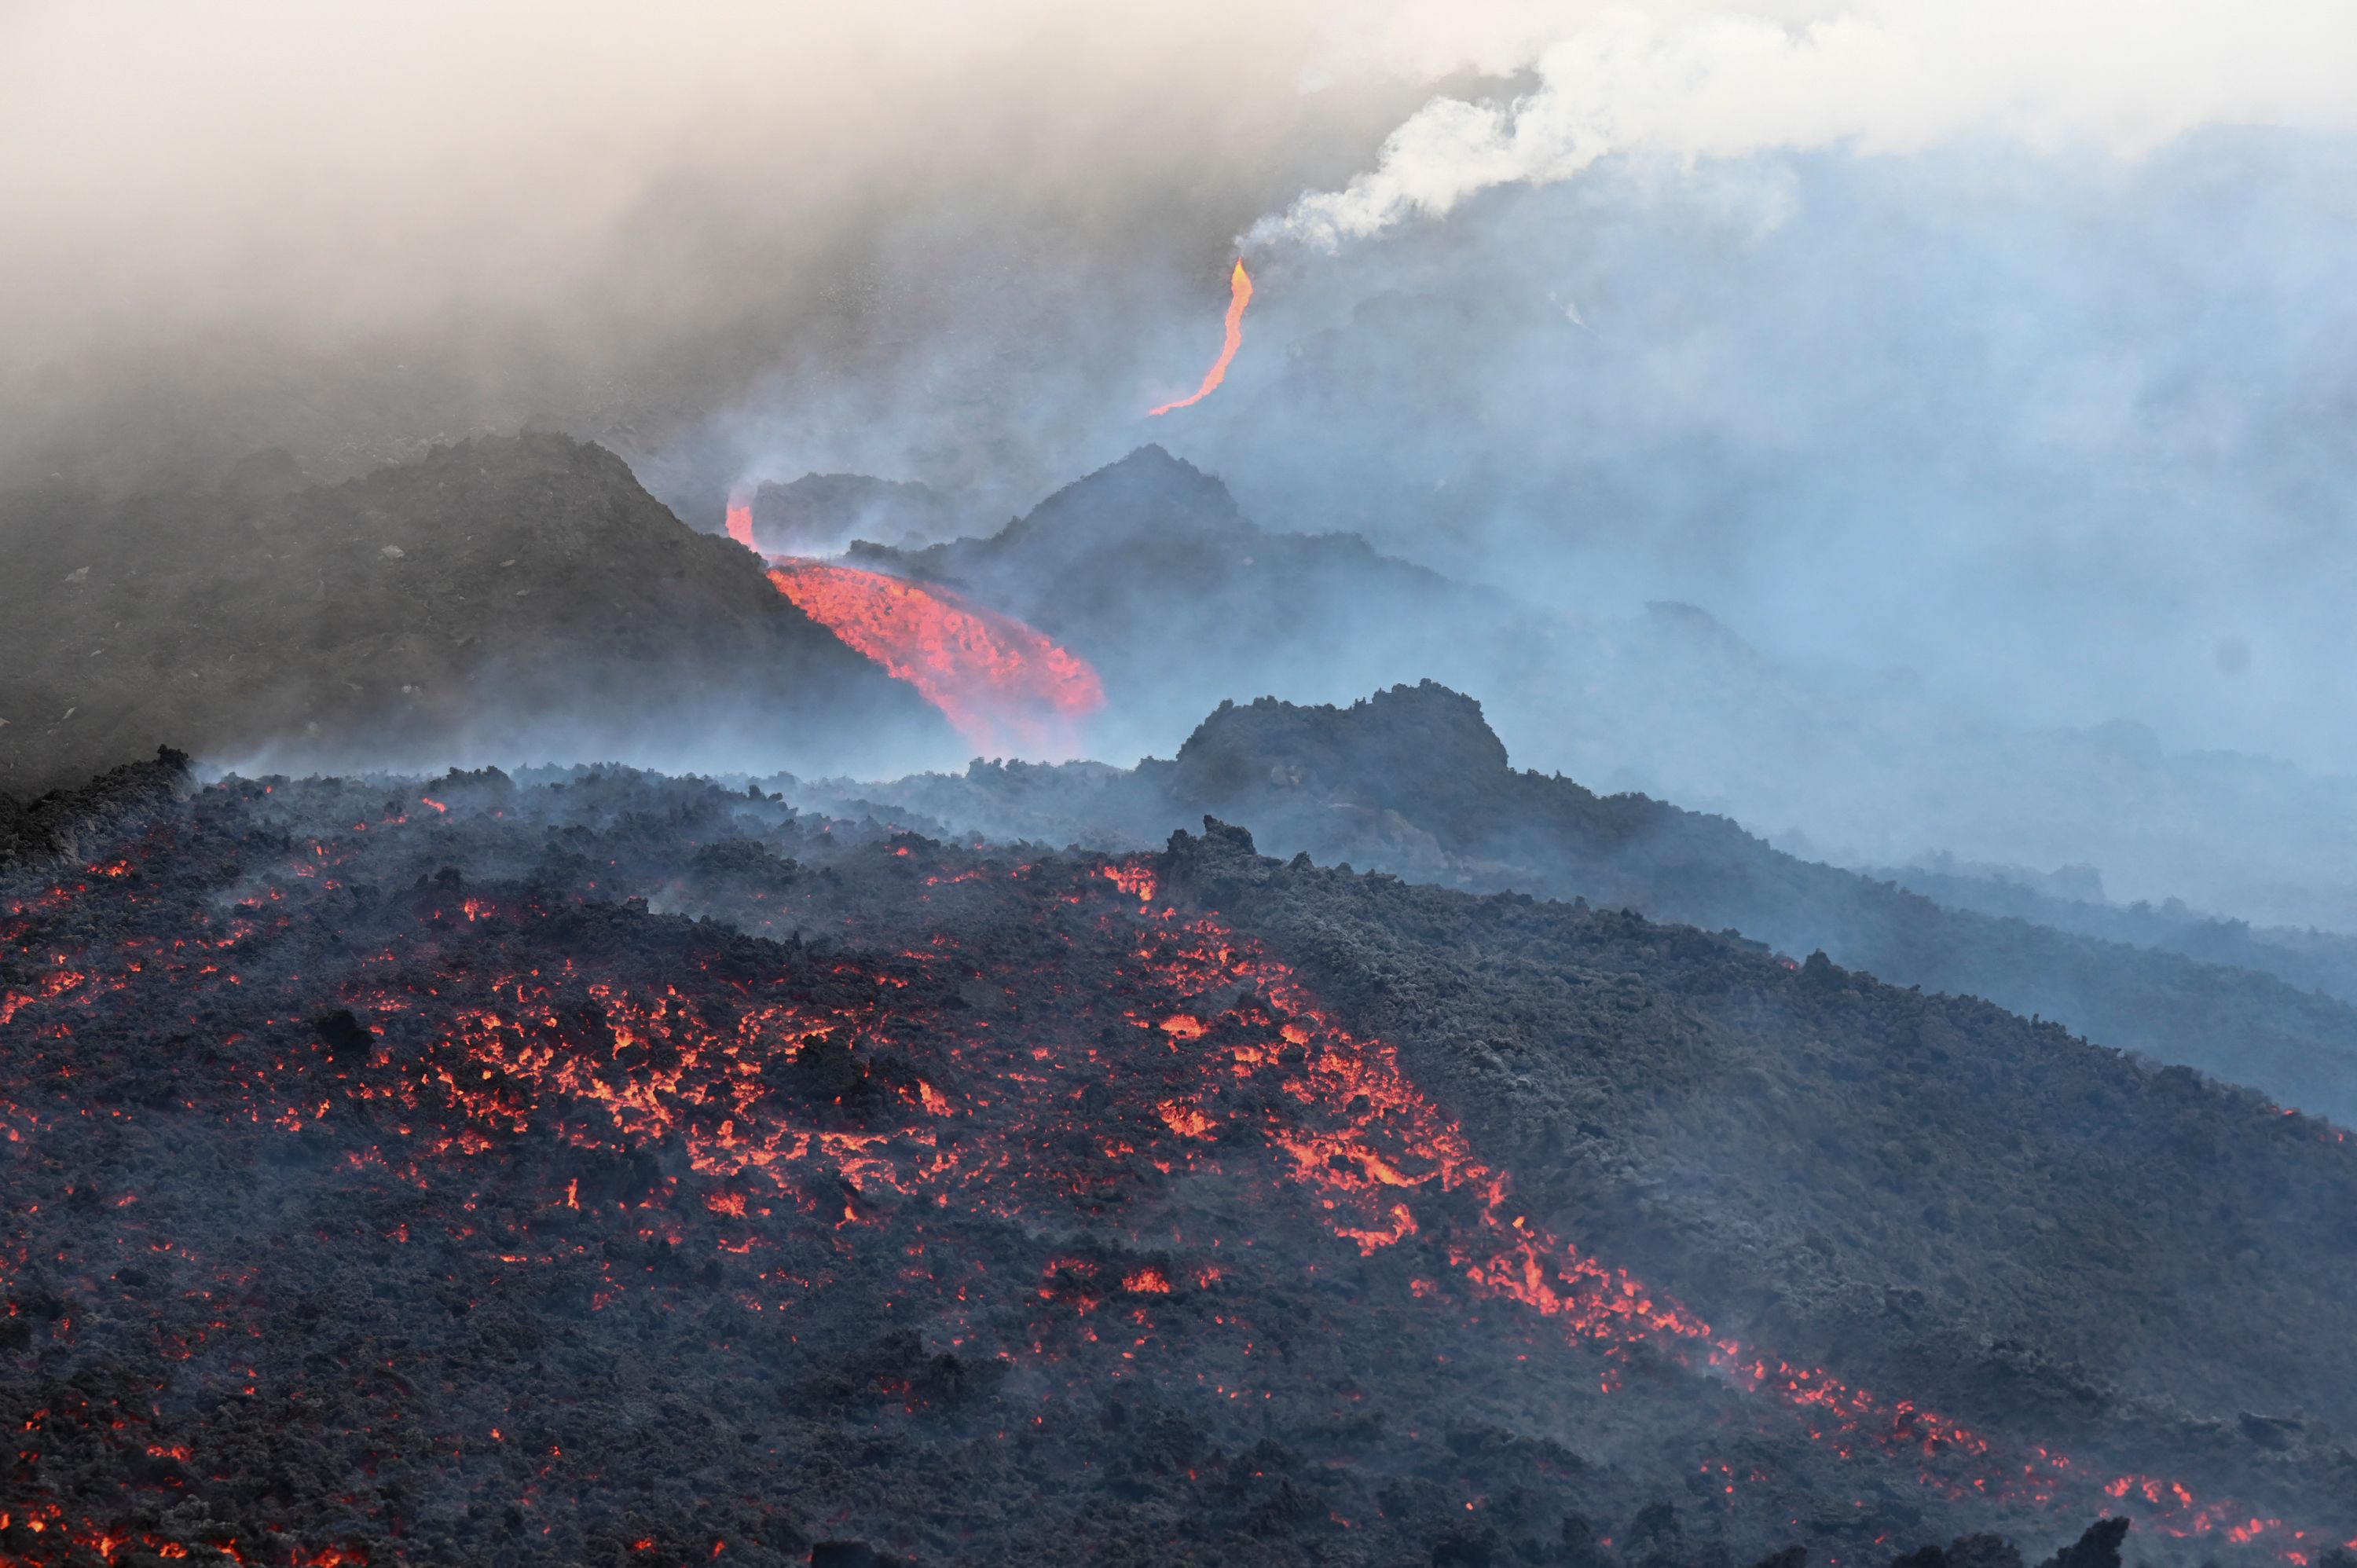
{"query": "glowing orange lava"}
[(1008, 688), (1222, 1045), (1377, 1150), (740, 521), (1239, 283)]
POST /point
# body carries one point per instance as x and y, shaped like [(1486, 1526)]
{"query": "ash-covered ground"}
[(601, 1167)]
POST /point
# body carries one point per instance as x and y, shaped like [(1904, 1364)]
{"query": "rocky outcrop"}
[(63, 825)]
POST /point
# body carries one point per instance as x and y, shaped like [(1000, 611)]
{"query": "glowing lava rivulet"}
[(319, 1147), (1239, 286), (1381, 1155), (1008, 688)]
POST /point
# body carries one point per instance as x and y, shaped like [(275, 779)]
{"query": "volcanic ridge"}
[(517, 592)]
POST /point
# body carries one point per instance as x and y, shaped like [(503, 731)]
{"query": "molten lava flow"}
[(1375, 1150), (740, 521), (1007, 688), (511, 1057), (1239, 283)]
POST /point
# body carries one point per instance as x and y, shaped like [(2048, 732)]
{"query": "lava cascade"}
[(489, 1070), (1008, 688), (1240, 287)]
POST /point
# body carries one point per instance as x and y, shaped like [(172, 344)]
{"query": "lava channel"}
[(1240, 293), (1008, 688)]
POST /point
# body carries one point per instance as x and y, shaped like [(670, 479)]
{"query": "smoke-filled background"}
[(1907, 441), (1995, 362), (349, 231)]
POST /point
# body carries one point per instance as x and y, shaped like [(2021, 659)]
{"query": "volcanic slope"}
[(1149, 570), (406, 1177), (514, 597), (2307, 958), (1413, 781)]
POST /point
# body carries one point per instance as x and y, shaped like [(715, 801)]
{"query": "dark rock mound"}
[(2099, 1548), (492, 595), (1148, 569), (61, 824), (1423, 746)]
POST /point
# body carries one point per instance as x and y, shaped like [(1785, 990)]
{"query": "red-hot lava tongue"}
[(509, 1117), (1240, 293), (1010, 689)]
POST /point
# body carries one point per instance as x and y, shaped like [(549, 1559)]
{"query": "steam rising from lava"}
[(1008, 688), (1241, 286)]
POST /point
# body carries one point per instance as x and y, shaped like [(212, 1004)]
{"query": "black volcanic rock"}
[(1151, 570), (1438, 754), (1412, 782), (955, 1205), (2099, 1548), (1926, 1190), (56, 825), (495, 595), (1968, 1552), (818, 514)]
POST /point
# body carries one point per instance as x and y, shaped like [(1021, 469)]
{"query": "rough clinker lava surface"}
[(623, 1170)]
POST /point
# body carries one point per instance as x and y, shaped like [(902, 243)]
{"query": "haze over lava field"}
[(607, 1165), (589, 1165), (1244, 784)]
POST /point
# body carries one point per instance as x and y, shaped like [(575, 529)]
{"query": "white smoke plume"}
[(347, 230), (1884, 76)]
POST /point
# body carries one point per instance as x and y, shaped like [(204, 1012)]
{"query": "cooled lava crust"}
[(622, 1170)]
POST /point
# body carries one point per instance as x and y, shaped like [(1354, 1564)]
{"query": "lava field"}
[(605, 1168)]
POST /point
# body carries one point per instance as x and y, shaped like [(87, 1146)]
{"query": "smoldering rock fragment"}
[(2098, 1548), (346, 1038), (850, 1554), (1983, 1551)]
